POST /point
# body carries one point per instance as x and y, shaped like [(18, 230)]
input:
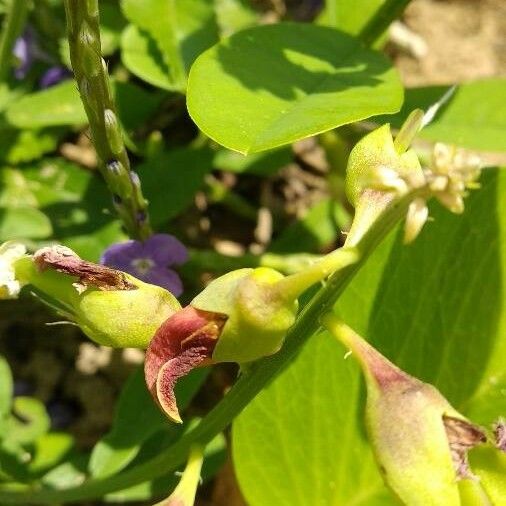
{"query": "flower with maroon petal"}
[(149, 261), (184, 341)]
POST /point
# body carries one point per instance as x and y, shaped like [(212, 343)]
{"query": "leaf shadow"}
[(296, 53)]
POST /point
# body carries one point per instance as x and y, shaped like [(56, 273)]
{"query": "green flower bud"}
[(113, 132), (419, 440), (89, 49), (111, 307), (379, 171)]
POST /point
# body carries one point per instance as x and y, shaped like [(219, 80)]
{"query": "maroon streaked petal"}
[(176, 368), (182, 342)]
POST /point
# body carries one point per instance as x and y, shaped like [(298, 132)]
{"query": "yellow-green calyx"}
[(419, 440), (111, 307)]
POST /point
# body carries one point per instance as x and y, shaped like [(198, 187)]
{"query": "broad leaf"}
[(274, 84), (182, 29), (474, 117), (437, 308)]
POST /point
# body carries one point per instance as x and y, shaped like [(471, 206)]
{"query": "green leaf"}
[(474, 117), (141, 56), (21, 146), (350, 17), (182, 29), (275, 84), (137, 418), (171, 179), (61, 105), (5, 388), (58, 105), (49, 450), (30, 421), (436, 308), (23, 223)]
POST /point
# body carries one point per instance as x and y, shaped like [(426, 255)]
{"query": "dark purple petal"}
[(53, 76), (121, 255), (166, 278), (166, 250)]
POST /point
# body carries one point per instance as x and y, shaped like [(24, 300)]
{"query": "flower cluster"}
[(10, 286)]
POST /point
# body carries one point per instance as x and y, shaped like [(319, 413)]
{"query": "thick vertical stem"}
[(92, 78)]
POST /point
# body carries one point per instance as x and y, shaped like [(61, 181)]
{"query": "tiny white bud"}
[(418, 213)]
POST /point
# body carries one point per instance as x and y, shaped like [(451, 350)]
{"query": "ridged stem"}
[(92, 78)]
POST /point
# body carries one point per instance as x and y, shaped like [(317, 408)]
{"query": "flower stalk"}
[(184, 493), (94, 85)]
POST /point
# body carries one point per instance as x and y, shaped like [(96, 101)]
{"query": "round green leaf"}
[(274, 84)]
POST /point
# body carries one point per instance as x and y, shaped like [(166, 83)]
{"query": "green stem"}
[(210, 260), (241, 394), (388, 12), (13, 25), (92, 78)]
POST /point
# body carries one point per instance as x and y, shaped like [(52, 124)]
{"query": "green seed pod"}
[(419, 440), (112, 307)]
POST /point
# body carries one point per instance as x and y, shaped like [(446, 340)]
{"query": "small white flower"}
[(9, 285)]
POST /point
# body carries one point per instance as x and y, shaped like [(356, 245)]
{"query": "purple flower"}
[(52, 76), (25, 52), (149, 260)]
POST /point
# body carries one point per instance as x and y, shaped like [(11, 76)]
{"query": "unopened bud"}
[(111, 307), (113, 132), (377, 174), (89, 51), (419, 440)]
